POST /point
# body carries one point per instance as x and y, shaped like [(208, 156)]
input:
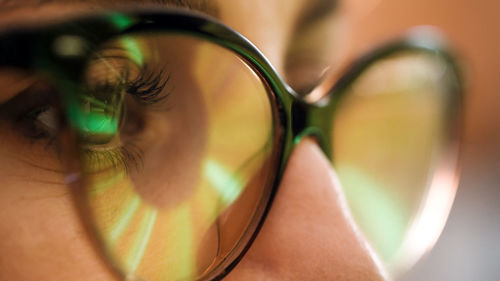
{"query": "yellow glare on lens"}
[(181, 247)]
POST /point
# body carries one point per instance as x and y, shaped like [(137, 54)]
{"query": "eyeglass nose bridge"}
[(312, 120)]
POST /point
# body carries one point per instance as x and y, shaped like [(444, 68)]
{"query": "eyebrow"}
[(209, 7)]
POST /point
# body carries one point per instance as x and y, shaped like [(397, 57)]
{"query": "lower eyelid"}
[(123, 157)]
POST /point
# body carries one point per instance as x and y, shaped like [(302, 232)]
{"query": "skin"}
[(308, 234)]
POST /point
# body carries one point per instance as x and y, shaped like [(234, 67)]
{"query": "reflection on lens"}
[(175, 137), (389, 135)]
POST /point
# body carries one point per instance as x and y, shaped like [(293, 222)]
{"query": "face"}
[(309, 233)]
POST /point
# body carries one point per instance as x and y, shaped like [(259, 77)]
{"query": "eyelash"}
[(148, 89), (127, 156)]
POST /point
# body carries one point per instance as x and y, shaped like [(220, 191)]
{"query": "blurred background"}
[(469, 248)]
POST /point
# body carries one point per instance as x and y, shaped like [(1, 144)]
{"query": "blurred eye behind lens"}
[(314, 46), (175, 140), (390, 136)]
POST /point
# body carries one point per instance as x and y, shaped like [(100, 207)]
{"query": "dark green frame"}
[(32, 48)]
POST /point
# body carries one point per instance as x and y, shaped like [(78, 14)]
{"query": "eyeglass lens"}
[(389, 133), (175, 136)]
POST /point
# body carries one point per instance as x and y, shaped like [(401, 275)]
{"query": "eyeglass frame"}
[(34, 48)]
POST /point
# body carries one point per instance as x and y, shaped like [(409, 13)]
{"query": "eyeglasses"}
[(175, 131)]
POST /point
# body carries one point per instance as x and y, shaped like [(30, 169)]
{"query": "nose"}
[(309, 233)]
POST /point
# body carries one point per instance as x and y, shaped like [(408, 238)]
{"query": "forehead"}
[(187, 3), (207, 6), (9, 8)]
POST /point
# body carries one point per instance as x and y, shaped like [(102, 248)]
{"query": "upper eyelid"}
[(28, 98), (18, 83)]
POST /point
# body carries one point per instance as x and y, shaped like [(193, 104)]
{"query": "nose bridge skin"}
[(309, 233)]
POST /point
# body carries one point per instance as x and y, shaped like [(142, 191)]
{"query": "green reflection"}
[(97, 123), (124, 219), (121, 21), (133, 49), (141, 241), (377, 212), (226, 183), (93, 117)]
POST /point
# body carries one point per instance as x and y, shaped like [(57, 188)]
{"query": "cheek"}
[(41, 237), (308, 234)]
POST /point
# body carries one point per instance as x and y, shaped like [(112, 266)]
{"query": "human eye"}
[(115, 108), (29, 120), (111, 110)]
